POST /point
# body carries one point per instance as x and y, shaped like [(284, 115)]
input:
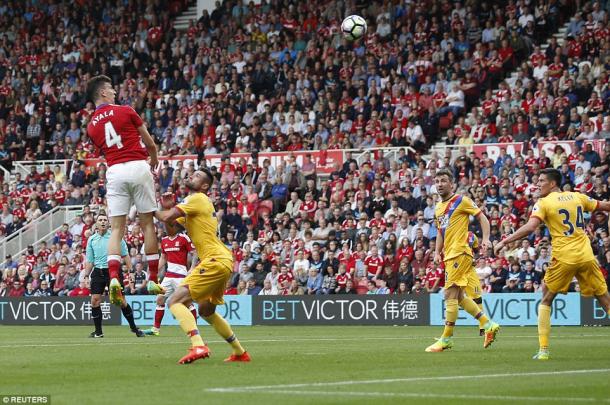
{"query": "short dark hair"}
[(101, 214), (552, 175), (209, 174), (445, 172), (94, 86)]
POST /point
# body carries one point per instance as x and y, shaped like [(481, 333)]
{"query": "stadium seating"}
[(268, 82)]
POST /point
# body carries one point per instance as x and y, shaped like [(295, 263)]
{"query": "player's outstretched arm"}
[(603, 206), (486, 229), (170, 212), (520, 233)]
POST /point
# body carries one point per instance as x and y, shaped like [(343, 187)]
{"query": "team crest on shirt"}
[(455, 265), (177, 243), (443, 221)]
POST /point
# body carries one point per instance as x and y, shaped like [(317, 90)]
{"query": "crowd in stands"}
[(266, 78)]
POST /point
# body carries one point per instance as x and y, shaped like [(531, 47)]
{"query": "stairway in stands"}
[(181, 23)]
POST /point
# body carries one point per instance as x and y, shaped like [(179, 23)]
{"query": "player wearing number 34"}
[(563, 214), (119, 132)]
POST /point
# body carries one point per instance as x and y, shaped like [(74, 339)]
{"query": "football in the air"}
[(353, 27)]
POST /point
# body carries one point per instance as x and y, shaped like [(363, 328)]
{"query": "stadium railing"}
[(25, 166), (326, 161), (42, 229)]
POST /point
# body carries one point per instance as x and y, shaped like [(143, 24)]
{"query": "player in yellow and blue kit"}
[(452, 218), (206, 283), (572, 255)]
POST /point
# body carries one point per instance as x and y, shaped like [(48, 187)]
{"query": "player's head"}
[(443, 180), (100, 90), (548, 180), (171, 230), (101, 222), (201, 180)]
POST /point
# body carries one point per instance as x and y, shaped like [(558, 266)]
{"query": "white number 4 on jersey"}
[(112, 138)]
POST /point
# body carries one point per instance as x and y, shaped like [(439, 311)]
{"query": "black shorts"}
[(99, 280)]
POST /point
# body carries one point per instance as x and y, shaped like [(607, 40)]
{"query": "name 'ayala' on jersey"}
[(119, 139), (103, 114)]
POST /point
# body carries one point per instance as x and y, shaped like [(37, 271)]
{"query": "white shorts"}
[(130, 183), (170, 284)]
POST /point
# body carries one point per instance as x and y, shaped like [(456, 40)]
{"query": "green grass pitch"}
[(306, 365)]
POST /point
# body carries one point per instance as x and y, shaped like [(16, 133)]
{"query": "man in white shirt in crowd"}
[(454, 100)]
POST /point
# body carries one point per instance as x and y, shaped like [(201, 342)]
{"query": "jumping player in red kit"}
[(119, 132), (175, 250)]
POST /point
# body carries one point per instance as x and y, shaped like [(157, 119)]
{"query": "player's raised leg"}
[(222, 327), (490, 328), (169, 285), (178, 305), (473, 291)]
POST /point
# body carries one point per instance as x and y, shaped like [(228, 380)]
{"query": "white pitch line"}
[(409, 379), (426, 395), (148, 341)]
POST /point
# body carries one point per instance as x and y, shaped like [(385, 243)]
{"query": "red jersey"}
[(176, 250), (80, 292), (373, 264), (432, 275), (114, 129), (342, 279), (31, 259), (44, 253), (284, 278), (60, 196), (309, 207), (377, 222)]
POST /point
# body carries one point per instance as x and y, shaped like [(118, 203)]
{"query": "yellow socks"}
[(544, 325), (473, 309), (222, 327), (187, 323), (481, 323), (451, 315)]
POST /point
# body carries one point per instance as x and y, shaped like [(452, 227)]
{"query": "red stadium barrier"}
[(326, 161)]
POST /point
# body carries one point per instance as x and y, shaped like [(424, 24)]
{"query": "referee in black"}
[(97, 269)]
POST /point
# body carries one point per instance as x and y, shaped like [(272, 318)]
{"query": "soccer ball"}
[(353, 27)]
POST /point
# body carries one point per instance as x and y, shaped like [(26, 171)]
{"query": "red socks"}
[(159, 312), (153, 266), (114, 266)]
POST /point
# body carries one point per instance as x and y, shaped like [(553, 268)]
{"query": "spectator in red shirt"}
[(81, 291), (17, 289)]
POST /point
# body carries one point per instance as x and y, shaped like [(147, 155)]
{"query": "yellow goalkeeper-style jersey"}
[(563, 214), (202, 227), (452, 219)]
